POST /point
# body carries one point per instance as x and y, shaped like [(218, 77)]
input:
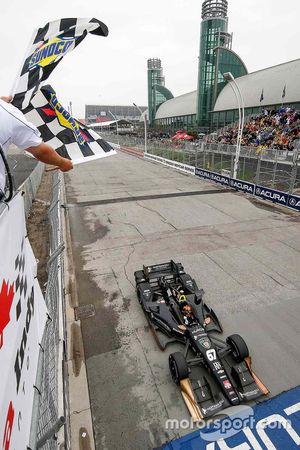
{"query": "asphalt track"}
[(243, 253)]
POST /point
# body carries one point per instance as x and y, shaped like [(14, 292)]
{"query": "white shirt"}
[(15, 129)]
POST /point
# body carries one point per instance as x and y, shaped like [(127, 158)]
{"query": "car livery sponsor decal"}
[(227, 384), (205, 343), (217, 365), (212, 407)]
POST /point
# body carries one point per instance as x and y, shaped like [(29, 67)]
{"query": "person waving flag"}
[(67, 136)]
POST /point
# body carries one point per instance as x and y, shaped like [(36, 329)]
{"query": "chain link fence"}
[(50, 428), (272, 168)]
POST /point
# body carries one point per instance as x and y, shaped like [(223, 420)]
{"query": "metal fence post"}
[(244, 167), (257, 176), (294, 170), (274, 169), (51, 433), (231, 164)]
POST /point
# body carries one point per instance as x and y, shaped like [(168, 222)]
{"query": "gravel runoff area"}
[(245, 255)]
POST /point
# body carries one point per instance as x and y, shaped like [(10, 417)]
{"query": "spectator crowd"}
[(270, 129)]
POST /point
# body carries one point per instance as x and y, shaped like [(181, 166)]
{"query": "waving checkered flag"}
[(49, 45), (70, 138)]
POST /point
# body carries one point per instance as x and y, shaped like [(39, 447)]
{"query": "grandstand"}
[(274, 128)]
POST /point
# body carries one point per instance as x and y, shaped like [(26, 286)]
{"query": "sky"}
[(113, 70)]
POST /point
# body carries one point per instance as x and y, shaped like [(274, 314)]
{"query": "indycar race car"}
[(212, 374)]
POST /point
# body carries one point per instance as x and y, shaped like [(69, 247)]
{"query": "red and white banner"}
[(23, 316)]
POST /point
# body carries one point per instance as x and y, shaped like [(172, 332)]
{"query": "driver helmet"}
[(187, 310)]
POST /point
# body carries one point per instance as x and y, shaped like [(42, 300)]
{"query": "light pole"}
[(234, 86), (115, 118), (145, 124)]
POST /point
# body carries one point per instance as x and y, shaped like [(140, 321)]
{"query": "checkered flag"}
[(47, 48), (70, 138), (21, 279)]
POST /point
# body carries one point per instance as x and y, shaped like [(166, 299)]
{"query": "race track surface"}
[(125, 212)]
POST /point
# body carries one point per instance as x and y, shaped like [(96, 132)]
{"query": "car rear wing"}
[(160, 270), (168, 271)]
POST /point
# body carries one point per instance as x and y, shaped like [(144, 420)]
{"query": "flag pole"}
[(14, 86)]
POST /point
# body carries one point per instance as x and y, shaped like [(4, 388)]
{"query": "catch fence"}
[(50, 426), (273, 168)]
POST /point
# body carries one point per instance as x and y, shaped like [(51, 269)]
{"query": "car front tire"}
[(178, 367), (238, 347)]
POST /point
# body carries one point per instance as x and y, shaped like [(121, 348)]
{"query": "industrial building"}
[(105, 113)]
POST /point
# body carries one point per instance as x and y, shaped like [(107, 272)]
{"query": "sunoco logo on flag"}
[(48, 53), (69, 137), (66, 120), (48, 47)]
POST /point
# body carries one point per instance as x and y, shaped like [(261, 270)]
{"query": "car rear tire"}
[(139, 276), (238, 347), (178, 367)]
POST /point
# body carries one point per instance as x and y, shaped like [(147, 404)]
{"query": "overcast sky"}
[(112, 70)]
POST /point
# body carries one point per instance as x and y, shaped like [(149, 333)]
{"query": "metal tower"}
[(155, 77), (213, 34)]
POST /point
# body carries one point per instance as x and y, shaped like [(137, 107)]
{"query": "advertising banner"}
[(243, 186), (213, 176), (270, 194), (23, 315), (294, 202), (168, 162)]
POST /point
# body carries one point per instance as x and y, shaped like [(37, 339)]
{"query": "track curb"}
[(80, 416)]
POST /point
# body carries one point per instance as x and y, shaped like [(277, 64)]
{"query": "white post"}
[(237, 158), (117, 128), (234, 86), (145, 129), (145, 124)]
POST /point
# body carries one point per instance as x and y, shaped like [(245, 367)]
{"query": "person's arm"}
[(6, 98), (41, 151), (44, 153)]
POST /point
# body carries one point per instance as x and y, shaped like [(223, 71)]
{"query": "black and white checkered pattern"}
[(70, 138), (21, 285), (32, 75)]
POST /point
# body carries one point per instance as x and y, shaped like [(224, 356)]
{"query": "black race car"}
[(212, 374)]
